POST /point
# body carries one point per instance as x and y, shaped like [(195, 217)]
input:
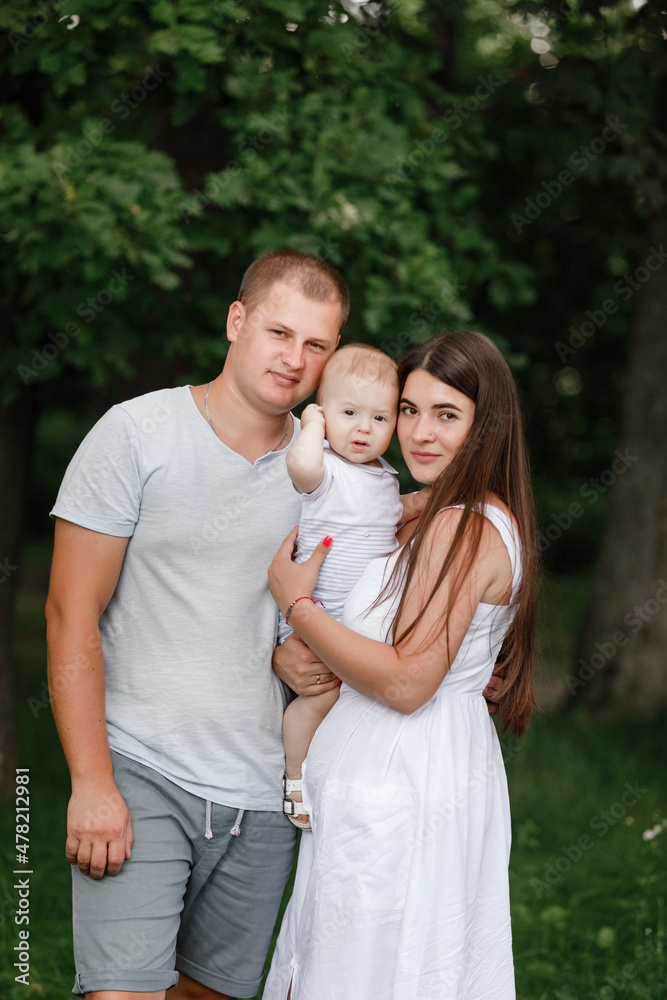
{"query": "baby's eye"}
[(349, 413), (380, 418)]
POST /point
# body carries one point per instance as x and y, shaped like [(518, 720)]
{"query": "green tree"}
[(141, 139), (604, 76)]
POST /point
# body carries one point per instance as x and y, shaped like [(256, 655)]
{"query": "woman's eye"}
[(448, 416), (408, 410)]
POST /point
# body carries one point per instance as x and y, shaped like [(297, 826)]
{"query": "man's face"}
[(280, 348)]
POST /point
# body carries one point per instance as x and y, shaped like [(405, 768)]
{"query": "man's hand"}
[(99, 829), (492, 689), (299, 668)]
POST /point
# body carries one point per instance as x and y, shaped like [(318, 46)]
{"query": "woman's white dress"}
[(402, 888)]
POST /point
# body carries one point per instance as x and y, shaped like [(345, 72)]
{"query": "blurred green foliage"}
[(152, 150)]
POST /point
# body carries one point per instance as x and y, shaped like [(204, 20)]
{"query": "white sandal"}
[(291, 808)]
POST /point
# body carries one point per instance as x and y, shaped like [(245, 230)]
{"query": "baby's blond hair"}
[(359, 361)]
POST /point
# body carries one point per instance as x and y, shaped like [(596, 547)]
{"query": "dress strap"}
[(505, 527)]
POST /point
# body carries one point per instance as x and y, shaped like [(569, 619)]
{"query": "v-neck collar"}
[(237, 454)]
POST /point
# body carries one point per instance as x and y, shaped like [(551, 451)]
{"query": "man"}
[(160, 632)]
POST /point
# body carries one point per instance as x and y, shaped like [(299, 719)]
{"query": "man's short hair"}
[(359, 361), (313, 277)]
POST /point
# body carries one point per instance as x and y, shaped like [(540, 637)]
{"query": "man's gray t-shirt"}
[(189, 632)]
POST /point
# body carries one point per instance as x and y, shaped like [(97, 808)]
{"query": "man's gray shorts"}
[(184, 902)]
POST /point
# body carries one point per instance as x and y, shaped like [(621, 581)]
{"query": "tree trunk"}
[(622, 654), (16, 432)]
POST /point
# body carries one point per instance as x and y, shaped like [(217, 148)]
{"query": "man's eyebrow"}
[(278, 324), (436, 406), (273, 324)]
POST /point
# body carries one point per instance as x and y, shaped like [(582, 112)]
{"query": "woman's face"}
[(433, 421)]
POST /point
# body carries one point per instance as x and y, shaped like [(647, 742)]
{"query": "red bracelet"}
[(305, 598)]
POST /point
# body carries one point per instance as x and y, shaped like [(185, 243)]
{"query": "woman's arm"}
[(405, 677), (305, 459)]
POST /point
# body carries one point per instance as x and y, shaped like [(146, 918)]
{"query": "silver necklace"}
[(208, 417)]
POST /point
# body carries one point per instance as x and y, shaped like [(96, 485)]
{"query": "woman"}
[(402, 889)]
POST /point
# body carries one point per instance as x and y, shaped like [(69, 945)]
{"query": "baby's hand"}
[(420, 499), (313, 414), (414, 503)]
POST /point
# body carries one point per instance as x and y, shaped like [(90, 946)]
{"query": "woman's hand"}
[(289, 580)]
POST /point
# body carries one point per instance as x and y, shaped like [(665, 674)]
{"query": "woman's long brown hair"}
[(492, 460)]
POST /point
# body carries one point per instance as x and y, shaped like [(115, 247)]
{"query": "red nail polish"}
[(327, 541)]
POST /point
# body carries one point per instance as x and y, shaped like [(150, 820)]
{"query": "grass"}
[(588, 892)]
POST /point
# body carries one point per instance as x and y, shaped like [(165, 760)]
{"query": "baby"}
[(349, 492)]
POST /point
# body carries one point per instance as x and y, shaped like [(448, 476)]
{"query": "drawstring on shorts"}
[(236, 829)]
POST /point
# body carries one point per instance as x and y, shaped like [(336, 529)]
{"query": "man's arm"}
[(305, 459), (85, 571)]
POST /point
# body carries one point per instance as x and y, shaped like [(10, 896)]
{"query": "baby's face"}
[(360, 417)]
